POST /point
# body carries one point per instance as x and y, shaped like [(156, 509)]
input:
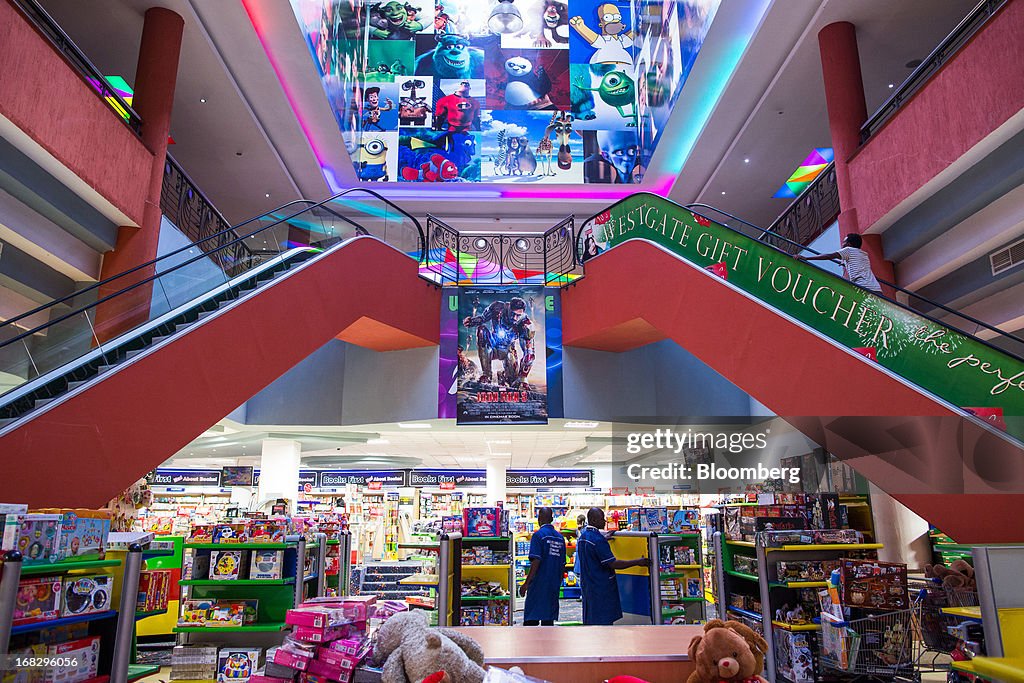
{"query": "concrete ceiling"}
[(245, 141)]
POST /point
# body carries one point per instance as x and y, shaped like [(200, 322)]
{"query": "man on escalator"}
[(856, 262)]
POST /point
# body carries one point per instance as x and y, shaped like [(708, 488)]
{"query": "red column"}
[(155, 77), (847, 112)]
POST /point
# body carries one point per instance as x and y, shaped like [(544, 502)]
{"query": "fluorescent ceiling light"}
[(581, 425), (501, 441), (414, 425), (377, 442)]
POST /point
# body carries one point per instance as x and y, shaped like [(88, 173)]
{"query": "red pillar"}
[(155, 77), (847, 112)]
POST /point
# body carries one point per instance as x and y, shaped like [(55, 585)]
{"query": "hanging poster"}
[(501, 330)]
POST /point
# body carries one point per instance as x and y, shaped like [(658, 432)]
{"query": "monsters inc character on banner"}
[(501, 330)]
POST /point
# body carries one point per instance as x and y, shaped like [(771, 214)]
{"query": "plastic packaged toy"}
[(38, 599), (226, 565), (485, 521), (201, 533), (83, 533), (229, 533), (36, 536), (86, 594), (237, 664), (266, 564)]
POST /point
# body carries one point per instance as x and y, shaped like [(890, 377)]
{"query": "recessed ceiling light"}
[(723, 191), (891, 86), (268, 195), (202, 100), (746, 161), (581, 425), (414, 425)]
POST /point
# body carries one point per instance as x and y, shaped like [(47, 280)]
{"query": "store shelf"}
[(798, 584), (741, 575), (964, 612), (137, 671), (744, 612), (826, 546), (466, 567), (672, 575), (742, 544), (333, 542), (237, 582), (269, 627), (483, 598), (485, 538), (1007, 669), (687, 599), (158, 552), (673, 613), (688, 566), (418, 546), (797, 627), (64, 567), (67, 621), (242, 546)]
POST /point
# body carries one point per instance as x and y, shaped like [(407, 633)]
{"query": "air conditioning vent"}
[(1007, 257)]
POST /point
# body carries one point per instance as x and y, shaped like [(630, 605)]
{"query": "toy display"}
[(229, 533), (237, 664), (684, 521), (86, 594), (805, 570), (83, 534), (154, 590), (38, 599), (218, 613), (794, 655), (491, 521), (226, 565), (266, 564), (722, 640), (654, 519), (194, 565), (85, 651)]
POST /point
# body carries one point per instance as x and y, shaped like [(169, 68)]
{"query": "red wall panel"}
[(973, 94), (45, 98)]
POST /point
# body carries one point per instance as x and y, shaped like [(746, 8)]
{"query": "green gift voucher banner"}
[(960, 369)]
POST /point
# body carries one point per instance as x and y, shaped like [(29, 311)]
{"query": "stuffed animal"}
[(413, 652), (959, 574), (728, 651)]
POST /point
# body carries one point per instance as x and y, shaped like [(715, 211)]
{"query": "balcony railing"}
[(938, 58), (66, 47)]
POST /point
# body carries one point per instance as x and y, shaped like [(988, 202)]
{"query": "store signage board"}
[(165, 476), (442, 478), (362, 477), (237, 476), (962, 370), (549, 478)]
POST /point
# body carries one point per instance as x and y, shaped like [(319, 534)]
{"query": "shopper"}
[(601, 605), (547, 564), (856, 262)]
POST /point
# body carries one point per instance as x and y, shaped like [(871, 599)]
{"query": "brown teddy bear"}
[(412, 652), (959, 574), (728, 651)]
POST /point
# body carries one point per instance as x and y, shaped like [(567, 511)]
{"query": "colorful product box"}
[(237, 664), (36, 536), (86, 594), (85, 650), (226, 565), (154, 590), (349, 646), (685, 520), (264, 678), (874, 585), (200, 533), (38, 599), (266, 564), (291, 659), (83, 534), (267, 532), (484, 521), (654, 519), (230, 533)]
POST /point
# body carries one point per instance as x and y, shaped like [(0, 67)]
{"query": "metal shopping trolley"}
[(950, 627), (880, 647)]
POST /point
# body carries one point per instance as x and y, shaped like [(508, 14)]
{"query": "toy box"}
[(158, 526), (351, 644), (194, 565), (83, 534), (237, 664), (283, 663), (694, 589), (686, 520), (226, 565), (354, 608), (794, 655), (154, 590), (873, 585), (267, 532), (779, 524), (86, 594), (266, 564), (498, 613), (262, 677), (85, 650), (37, 536), (485, 521), (471, 616), (195, 612), (732, 524), (822, 511), (654, 519), (232, 613), (200, 533), (230, 533), (38, 599)]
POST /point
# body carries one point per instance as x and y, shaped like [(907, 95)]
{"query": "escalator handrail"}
[(139, 267), (154, 276), (984, 342), (896, 287)]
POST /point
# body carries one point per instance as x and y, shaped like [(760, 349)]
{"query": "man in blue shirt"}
[(601, 605), (547, 564)]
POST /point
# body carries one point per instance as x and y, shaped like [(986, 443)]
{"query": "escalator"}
[(929, 413), (84, 415)]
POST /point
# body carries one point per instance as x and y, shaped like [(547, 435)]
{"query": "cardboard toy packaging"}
[(266, 564), (237, 664), (226, 565), (37, 536), (86, 594), (38, 599), (86, 651)]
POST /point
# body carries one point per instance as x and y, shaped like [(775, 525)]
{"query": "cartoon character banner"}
[(500, 378), (524, 91)]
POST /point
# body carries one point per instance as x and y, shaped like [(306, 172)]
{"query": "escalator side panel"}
[(914, 447), (82, 450)]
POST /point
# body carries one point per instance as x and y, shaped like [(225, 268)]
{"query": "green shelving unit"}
[(265, 627), (65, 567)]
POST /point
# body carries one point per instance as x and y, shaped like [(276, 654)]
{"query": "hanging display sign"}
[(547, 477), (500, 333), (164, 476), (361, 477), (443, 478), (236, 476)]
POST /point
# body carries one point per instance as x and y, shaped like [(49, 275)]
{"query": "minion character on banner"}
[(373, 162)]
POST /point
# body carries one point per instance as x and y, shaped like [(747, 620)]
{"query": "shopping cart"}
[(950, 627), (880, 647)]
